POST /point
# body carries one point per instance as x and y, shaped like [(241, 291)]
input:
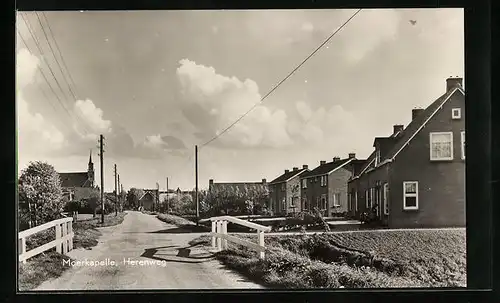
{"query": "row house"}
[(284, 191), (325, 187), (416, 176)]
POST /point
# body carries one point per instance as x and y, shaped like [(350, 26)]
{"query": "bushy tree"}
[(40, 194), (237, 200), (133, 196)]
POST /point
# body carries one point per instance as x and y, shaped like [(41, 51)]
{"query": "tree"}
[(40, 194), (133, 196)]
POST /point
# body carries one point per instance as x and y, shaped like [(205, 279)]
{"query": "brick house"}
[(284, 191), (325, 186), (76, 185), (416, 176)]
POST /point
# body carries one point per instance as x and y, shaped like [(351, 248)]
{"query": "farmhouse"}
[(75, 185), (416, 176), (149, 199), (325, 187), (284, 191)]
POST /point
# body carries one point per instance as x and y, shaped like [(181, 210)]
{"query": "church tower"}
[(91, 170)]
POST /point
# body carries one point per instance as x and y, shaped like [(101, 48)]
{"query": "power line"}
[(43, 75), (281, 82), (54, 55), (33, 36)]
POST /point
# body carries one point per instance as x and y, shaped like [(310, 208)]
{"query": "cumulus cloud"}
[(211, 102), (92, 117), (34, 131)]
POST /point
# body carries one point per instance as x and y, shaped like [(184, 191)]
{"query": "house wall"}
[(147, 202), (277, 195), (293, 190), (313, 191), (441, 187), (337, 183)]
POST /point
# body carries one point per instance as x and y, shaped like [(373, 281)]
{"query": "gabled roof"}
[(289, 175), (394, 146), (326, 168), (74, 179), (152, 193), (419, 122)]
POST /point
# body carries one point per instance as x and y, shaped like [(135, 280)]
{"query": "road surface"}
[(145, 253)]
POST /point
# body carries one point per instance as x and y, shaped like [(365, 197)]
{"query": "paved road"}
[(172, 264)]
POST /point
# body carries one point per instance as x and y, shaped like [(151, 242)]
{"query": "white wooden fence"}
[(220, 236), (63, 242)]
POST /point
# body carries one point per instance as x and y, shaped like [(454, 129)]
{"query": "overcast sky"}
[(156, 83)]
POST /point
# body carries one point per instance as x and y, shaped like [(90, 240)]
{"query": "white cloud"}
[(213, 101), (91, 117)]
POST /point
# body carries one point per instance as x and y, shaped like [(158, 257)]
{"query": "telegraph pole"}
[(196, 189), (116, 193), (168, 205), (101, 151), (119, 194)]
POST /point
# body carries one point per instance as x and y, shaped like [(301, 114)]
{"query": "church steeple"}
[(91, 170)]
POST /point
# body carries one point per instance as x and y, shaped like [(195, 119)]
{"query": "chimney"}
[(322, 162), (305, 166), (352, 155), (287, 171), (451, 83), (335, 159), (397, 128), (264, 181), (295, 169), (211, 182), (415, 112)]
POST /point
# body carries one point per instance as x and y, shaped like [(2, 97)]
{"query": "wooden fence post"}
[(261, 243), (70, 239), (65, 241), (214, 230), (224, 231), (219, 239), (58, 236), (22, 247)]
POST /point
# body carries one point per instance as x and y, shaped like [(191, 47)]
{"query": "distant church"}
[(72, 183)]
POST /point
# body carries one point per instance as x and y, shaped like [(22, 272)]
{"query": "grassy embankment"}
[(369, 259), (49, 265)]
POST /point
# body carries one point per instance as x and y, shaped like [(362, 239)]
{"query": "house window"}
[(323, 180), (441, 145), (323, 202), (304, 183), (283, 187), (377, 157), (304, 203), (372, 190), (293, 201), (462, 140), (386, 199), (336, 199), (410, 195), (456, 113), (283, 204)]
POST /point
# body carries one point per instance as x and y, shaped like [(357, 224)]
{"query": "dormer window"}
[(456, 113), (377, 157)]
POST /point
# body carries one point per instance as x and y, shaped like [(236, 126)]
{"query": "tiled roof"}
[(325, 168), (288, 175), (239, 185), (74, 179)]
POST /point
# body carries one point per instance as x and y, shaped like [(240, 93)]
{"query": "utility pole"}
[(168, 205), (101, 151), (123, 202), (196, 189), (116, 193), (119, 194)]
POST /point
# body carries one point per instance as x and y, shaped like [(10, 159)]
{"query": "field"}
[(403, 258)]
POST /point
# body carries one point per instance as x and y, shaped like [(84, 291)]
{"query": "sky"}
[(157, 83)]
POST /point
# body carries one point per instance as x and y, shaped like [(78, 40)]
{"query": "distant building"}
[(416, 176), (149, 199), (284, 191), (74, 184), (325, 187)]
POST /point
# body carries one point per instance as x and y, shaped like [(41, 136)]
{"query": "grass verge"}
[(390, 259), (182, 223), (49, 265)]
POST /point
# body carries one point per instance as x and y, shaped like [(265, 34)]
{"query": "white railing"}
[(63, 242), (220, 236)]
